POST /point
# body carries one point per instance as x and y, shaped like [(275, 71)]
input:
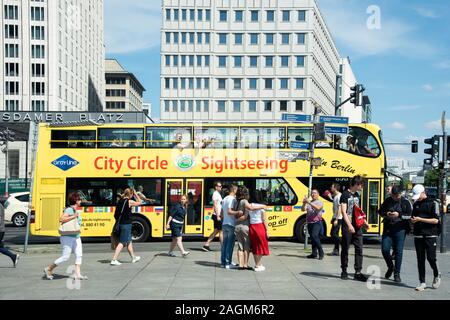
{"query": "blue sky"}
[(405, 65)]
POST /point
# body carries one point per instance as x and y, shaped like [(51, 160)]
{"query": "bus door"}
[(372, 204), (194, 216), (174, 191), (51, 208)]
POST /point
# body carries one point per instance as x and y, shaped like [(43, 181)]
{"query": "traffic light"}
[(415, 146), (433, 151), (356, 95)]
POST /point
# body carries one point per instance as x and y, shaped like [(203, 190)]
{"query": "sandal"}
[(48, 274)]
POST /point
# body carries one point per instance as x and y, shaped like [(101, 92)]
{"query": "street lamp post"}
[(444, 175)]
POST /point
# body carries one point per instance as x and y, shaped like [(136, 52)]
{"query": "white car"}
[(16, 208)]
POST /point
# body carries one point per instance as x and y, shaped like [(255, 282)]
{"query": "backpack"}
[(359, 215), (119, 209)]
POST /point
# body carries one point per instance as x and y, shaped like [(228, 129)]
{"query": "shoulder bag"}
[(70, 228)]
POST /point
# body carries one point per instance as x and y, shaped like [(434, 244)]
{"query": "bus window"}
[(81, 139), (168, 138), (149, 191), (299, 135), (323, 185), (275, 192), (97, 193), (121, 138), (358, 141), (263, 138), (215, 138)]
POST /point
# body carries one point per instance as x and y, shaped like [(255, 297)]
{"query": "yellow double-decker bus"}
[(164, 161)]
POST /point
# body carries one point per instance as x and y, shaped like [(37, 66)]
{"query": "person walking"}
[(425, 218), (351, 234), (216, 216), (229, 221), (242, 227), (175, 224), (314, 212), (259, 237), (3, 250), (396, 212), (336, 221), (69, 243), (125, 224)]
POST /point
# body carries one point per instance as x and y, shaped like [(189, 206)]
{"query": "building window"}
[(270, 16), (222, 61), (191, 14), (199, 61), (223, 16), (301, 15), (207, 37), (183, 61), (284, 84), (301, 37), (175, 83), (12, 105), (269, 61), (285, 37), (254, 15), (11, 69), (254, 38), (168, 15), (269, 38), (37, 70), (206, 61), (200, 15), (167, 37), (199, 38), (183, 38), (237, 106), (167, 61), (192, 37), (286, 16), (191, 83), (175, 14), (267, 106), (175, 61), (182, 106), (238, 38), (175, 106), (198, 106), (14, 163), (166, 106), (176, 37), (12, 51), (299, 83), (254, 61), (268, 84), (252, 106), (299, 105), (253, 84), (238, 16), (223, 38), (38, 106), (208, 15), (191, 61), (37, 14), (12, 31), (190, 106), (11, 12), (220, 106), (206, 83), (206, 106), (167, 83), (183, 83), (284, 61), (238, 61), (12, 88), (222, 84), (283, 106), (184, 14), (237, 84), (300, 61)]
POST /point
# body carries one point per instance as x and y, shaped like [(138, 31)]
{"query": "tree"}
[(432, 178)]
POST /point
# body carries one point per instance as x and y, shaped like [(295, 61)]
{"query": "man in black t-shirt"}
[(350, 232)]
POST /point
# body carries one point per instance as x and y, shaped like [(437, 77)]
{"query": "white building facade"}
[(237, 60), (52, 57)]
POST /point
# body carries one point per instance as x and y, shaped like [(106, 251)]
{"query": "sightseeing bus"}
[(162, 162)]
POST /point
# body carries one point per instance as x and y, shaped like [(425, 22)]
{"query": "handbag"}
[(70, 228), (360, 216)]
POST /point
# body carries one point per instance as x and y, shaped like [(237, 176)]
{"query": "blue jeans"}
[(228, 244), (395, 240)]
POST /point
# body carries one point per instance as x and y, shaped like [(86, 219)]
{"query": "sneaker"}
[(186, 254), (335, 253), (16, 260), (206, 249), (321, 258), (171, 254), (48, 274), (397, 278), (135, 259), (260, 269), (234, 264), (437, 282), (389, 273), (228, 267), (344, 275), (421, 287), (115, 263), (311, 256), (360, 277)]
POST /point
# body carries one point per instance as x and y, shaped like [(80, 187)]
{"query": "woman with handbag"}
[(70, 238), (124, 220)]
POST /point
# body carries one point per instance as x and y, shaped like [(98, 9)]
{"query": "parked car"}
[(16, 208)]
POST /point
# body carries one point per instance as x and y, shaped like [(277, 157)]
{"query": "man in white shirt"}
[(336, 221), (216, 216)]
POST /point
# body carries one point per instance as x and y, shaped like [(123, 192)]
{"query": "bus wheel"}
[(300, 230), (140, 229)]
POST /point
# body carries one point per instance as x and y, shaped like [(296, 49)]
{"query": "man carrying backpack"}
[(425, 218), (396, 211)]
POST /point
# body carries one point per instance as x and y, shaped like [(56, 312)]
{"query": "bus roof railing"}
[(74, 124)]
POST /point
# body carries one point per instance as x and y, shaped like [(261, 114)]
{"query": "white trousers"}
[(69, 245)]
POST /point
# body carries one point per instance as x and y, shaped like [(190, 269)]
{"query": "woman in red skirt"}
[(259, 235)]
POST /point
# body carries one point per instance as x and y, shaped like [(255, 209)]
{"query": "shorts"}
[(125, 234), (242, 236), (177, 229), (217, 224)]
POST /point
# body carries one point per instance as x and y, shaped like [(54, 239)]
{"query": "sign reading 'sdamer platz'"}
[(11, 117)]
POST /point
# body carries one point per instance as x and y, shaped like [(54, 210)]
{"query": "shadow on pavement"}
[(320, 275), (395, 284), (208, 264), (56, 277), (291, 256)]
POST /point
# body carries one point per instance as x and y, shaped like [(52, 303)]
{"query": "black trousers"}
[(314, 232), (426, 249), (335, 234), (357, 240)]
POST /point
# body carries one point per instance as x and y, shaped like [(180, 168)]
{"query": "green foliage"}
[(432, 178)]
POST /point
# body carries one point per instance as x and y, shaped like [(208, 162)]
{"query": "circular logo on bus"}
[(185, 162)]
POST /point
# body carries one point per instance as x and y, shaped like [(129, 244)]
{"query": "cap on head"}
[(396, 190), (417, 191)]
